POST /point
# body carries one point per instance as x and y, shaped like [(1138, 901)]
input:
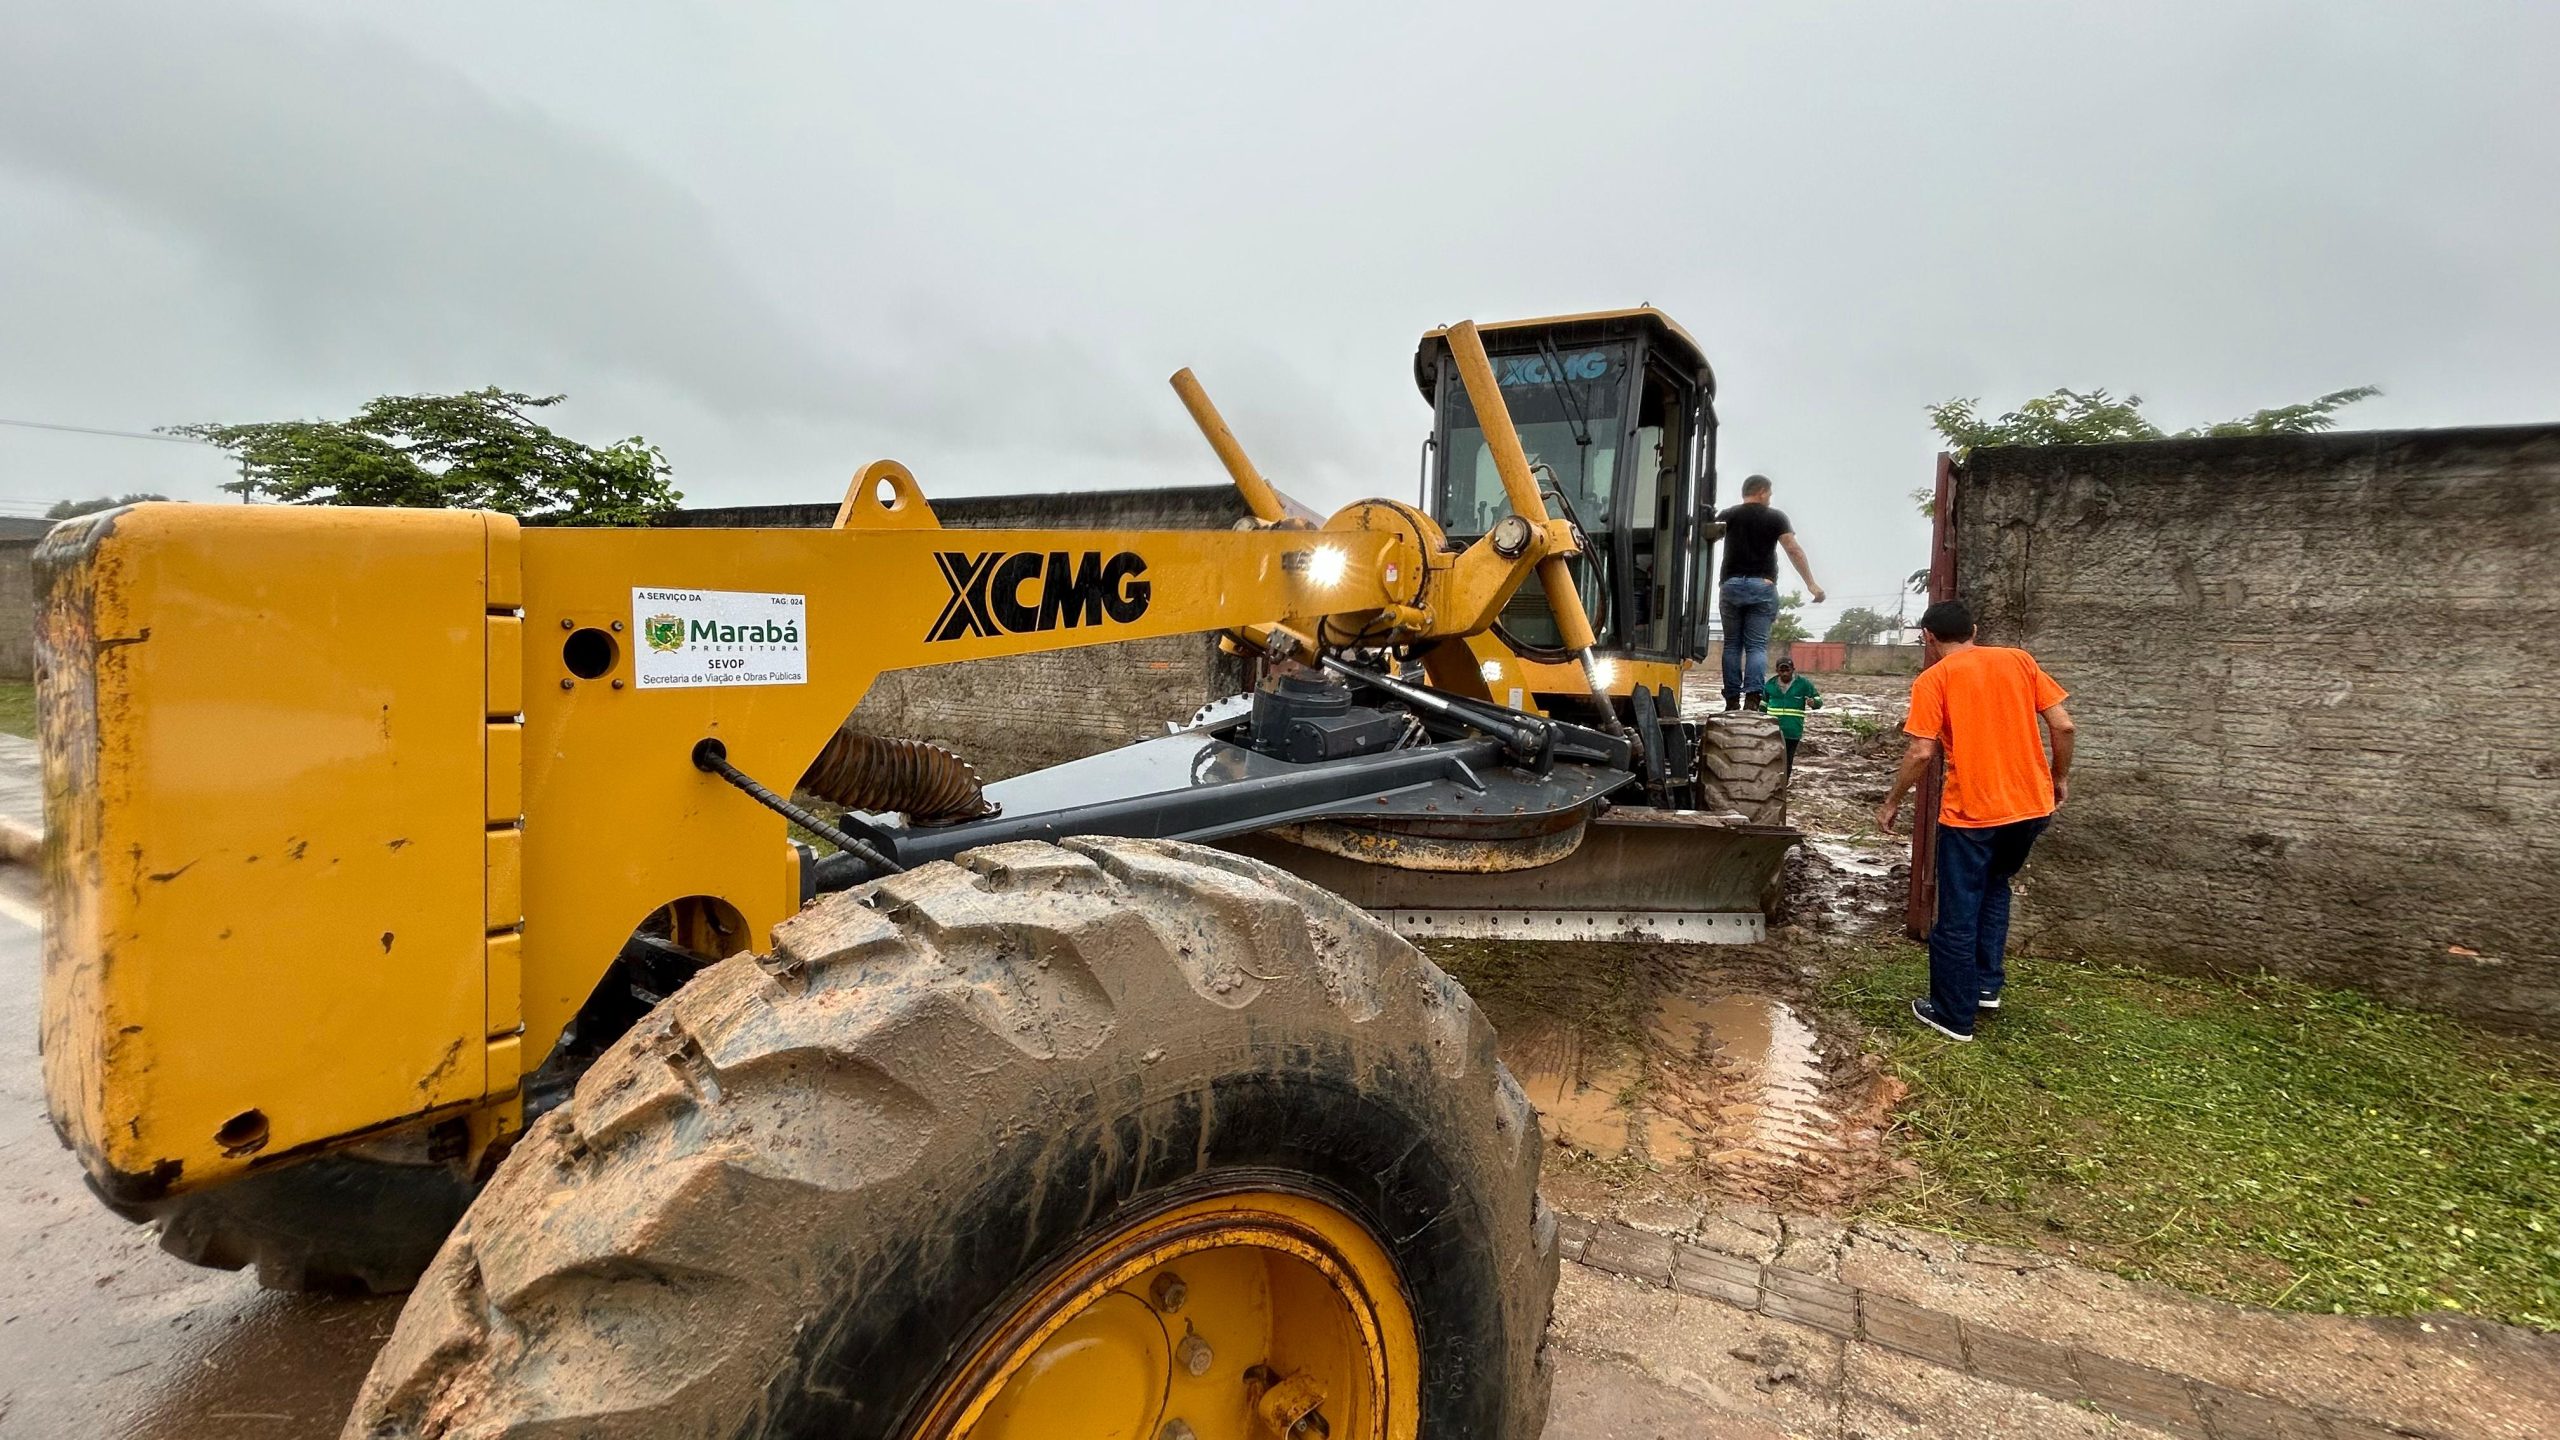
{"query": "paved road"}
[(100, 1333), (21, 782)]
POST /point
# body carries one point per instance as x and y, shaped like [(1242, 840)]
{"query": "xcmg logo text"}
[(1000, 592)]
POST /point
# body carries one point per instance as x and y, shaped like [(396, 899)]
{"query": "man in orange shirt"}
[(1978, 705)]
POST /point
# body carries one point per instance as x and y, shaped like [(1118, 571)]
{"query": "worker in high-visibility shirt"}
[(1786, 697), (1978, 705)]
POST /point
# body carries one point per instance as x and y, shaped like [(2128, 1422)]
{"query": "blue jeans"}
[(1971, 935), (1750, 607)]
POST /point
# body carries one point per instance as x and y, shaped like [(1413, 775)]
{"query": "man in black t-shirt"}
[(1754, 532)]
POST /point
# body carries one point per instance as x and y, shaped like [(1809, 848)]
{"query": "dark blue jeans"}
[(1750, 607), (1971, 935)]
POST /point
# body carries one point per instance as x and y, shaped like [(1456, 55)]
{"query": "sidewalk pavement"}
[(1754, 1324), (21, 801)]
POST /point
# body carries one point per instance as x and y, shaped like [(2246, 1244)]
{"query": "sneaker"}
[(1990, 1000), (1926, 1012)]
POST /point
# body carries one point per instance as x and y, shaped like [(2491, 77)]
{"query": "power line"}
[(116, 434), (94, 430)]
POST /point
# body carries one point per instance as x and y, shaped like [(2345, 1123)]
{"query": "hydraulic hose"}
[(712, 756)]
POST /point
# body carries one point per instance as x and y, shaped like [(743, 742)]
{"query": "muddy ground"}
[(1683, 1076)]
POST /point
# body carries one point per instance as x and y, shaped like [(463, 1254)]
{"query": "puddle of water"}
[(1580, 1096), (1778, 1114), (1853, 859), (1680, 1108), (1735, 1080)]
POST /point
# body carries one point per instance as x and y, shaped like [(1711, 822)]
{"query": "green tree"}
[(2094, 417), (1789, 626), (2073, 417), (67, 509), (2065, 417), (1858, 626), (480, 450)]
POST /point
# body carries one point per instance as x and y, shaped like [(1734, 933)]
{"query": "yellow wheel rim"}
[(1257, 1315)]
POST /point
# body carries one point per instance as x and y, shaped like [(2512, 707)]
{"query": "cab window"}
[(1567, 405)]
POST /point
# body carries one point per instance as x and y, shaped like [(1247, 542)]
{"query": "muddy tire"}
[(337, 1224), (1743, 761), (790, 1198)]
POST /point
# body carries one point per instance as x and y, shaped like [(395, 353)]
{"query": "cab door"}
[(1658, 525), (1698, 553)]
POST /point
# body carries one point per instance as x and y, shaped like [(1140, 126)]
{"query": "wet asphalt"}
[(103, 1335)]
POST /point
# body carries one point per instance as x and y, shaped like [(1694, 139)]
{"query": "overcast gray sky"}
[(784, 240)]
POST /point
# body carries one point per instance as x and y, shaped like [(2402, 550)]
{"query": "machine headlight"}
[(1327, 565)]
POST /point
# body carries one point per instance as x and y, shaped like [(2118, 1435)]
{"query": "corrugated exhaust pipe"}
[(917, 778)]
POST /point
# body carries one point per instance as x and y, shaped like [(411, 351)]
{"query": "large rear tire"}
[(815, 1193)]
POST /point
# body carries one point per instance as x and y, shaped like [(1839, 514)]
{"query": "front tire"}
[(1745, 766), (813, 1192)]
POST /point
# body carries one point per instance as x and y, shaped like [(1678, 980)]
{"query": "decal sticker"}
[(1535, 370), (718, 637)]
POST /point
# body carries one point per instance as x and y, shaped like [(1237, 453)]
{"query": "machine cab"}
[(1617, 412)]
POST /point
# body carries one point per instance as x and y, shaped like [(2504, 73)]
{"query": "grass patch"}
[(2257, 1140), (1865, 727), (18, 708)]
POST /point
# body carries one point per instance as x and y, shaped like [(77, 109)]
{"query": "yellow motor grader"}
[(422, 892)]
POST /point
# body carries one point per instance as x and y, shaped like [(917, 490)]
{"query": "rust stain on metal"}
[(443, 1067), (1441, 846)]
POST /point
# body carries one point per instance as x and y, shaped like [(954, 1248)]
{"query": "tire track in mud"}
[(1707, 1069), (1712, 1070)]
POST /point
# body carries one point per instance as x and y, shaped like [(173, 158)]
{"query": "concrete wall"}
[(1858, 659), (1188, 507), (17, 608), (2316, 679), (1024, 712), (1882, 660)]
